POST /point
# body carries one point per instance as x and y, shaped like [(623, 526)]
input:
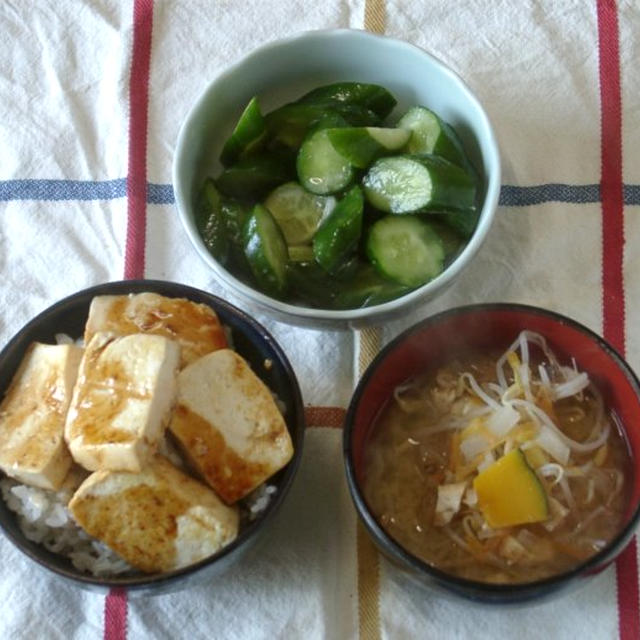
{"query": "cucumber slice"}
[(362, 145), (253, 177), (321, 169), (290, 124), (409, 184), (266, 251), (463, 222), (405, 249), (297, 212), (235, 215), (310, 283), (452, 242), (367, 288), (300, 253), (210, 221), (247, 136), (430, 134), (339, 234), (369, 96)]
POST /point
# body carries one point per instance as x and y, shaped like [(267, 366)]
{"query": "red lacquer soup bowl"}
[(492, 327)]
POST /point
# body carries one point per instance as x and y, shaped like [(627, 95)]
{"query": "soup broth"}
[(420, 476)]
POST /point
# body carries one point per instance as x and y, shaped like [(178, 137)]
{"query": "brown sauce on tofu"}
[(195, 326), (33, 395), (231, 476), (104, 388)]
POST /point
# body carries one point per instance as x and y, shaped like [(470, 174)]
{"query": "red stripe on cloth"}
[(613, 302), (138, 108), (611, 189), (115, 615), (628, 597), (324, 416), (116, 604)]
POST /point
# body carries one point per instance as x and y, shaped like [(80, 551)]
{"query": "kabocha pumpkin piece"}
[(509, 492)]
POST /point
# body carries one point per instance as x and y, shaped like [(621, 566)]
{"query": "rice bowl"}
[(40, 511)]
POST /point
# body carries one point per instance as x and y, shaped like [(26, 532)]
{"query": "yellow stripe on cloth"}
[(375, 16), (369, 341), (368, 586)]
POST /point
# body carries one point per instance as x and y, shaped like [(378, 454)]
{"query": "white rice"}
[(43, 518), (258, 500)]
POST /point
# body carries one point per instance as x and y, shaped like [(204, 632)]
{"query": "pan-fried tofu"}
[(122, 400), (32, 416), (157, 520), (194, 326), (228, 425)]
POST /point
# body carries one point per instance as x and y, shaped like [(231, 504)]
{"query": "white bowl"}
[(284, 70)]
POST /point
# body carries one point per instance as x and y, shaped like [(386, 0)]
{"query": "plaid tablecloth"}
[(92, 94)]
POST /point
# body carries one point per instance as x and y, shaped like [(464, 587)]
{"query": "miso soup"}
[(500, 467)]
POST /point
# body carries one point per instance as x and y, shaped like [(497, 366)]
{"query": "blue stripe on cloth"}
[(525, 196), (63, 189), (160, 193), (631, 194), (510, 196)]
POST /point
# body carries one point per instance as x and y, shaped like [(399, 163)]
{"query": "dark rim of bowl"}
[(175, 289), (518, 591)]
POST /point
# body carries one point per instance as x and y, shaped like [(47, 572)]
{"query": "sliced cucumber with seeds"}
[(370, 96), (210, 221), (321, 169), (266, 251), (405, 249), (247, 136), (297, 243), (339, 234), (298, 212), (408, 184), (362, 145), (430, 134)]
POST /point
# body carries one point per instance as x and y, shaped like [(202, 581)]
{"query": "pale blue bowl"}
[(283, 71)]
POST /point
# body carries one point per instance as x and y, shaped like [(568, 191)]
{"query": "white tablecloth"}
[(559, 81)]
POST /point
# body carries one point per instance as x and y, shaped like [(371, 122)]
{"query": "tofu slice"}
[(122, 400), (228, 425), (32, 416), (194, 326), (157, 520)]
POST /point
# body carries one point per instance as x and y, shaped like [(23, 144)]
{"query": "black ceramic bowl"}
[(435, 341), (250, 340)]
